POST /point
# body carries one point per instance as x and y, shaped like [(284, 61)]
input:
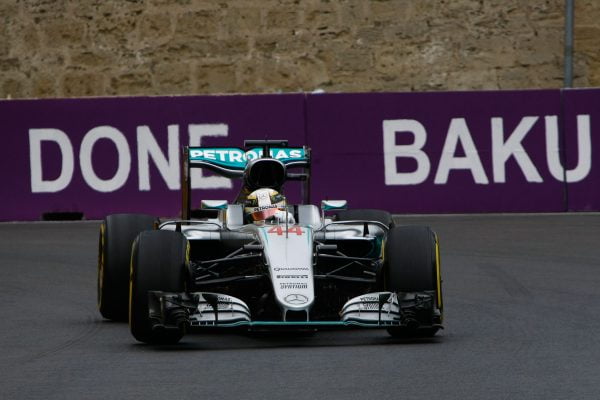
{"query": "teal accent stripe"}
[(264, 234), (304, 323)]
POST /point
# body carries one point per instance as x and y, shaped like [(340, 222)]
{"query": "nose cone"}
[(290, 257)]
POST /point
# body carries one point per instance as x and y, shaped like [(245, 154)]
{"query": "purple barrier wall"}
[(106, 155), (582, 119), (405, 152), (436, 152)]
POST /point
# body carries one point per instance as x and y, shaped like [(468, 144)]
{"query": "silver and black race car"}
[(313, 267)]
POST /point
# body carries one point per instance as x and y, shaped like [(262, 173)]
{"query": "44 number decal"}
[(279, 230)]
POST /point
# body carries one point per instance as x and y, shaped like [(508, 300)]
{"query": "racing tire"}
[(159, 261), (412, 264), (117, 233), (366, 214)]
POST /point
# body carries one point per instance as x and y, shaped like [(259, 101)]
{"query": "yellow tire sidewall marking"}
[(131, 278), (438, 273)]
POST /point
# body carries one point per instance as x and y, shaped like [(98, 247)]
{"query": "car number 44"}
[(279, 230)]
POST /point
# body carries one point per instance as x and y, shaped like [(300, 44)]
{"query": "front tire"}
[(412, 265), (117, 233), (159, 261)]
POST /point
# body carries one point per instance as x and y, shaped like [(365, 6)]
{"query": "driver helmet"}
[(264, 205)]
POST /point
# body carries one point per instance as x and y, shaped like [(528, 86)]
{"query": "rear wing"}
[(231, 162)]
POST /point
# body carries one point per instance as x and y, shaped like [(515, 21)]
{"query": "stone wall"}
[(70, 48)]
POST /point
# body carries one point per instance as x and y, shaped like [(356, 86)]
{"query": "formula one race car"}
[(262, 264)]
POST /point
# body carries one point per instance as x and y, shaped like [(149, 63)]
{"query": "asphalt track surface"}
[(522, 305)]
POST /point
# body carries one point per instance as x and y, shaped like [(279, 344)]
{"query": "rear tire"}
[(159, 261), (117, 233), (366, 214), (412, 265)]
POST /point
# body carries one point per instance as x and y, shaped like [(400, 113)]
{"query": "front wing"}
[(214, 310)]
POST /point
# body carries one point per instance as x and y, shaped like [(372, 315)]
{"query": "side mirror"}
[(329, 205), (213, 205)]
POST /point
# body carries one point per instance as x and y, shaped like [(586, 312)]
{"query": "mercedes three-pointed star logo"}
[(296, 299)]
